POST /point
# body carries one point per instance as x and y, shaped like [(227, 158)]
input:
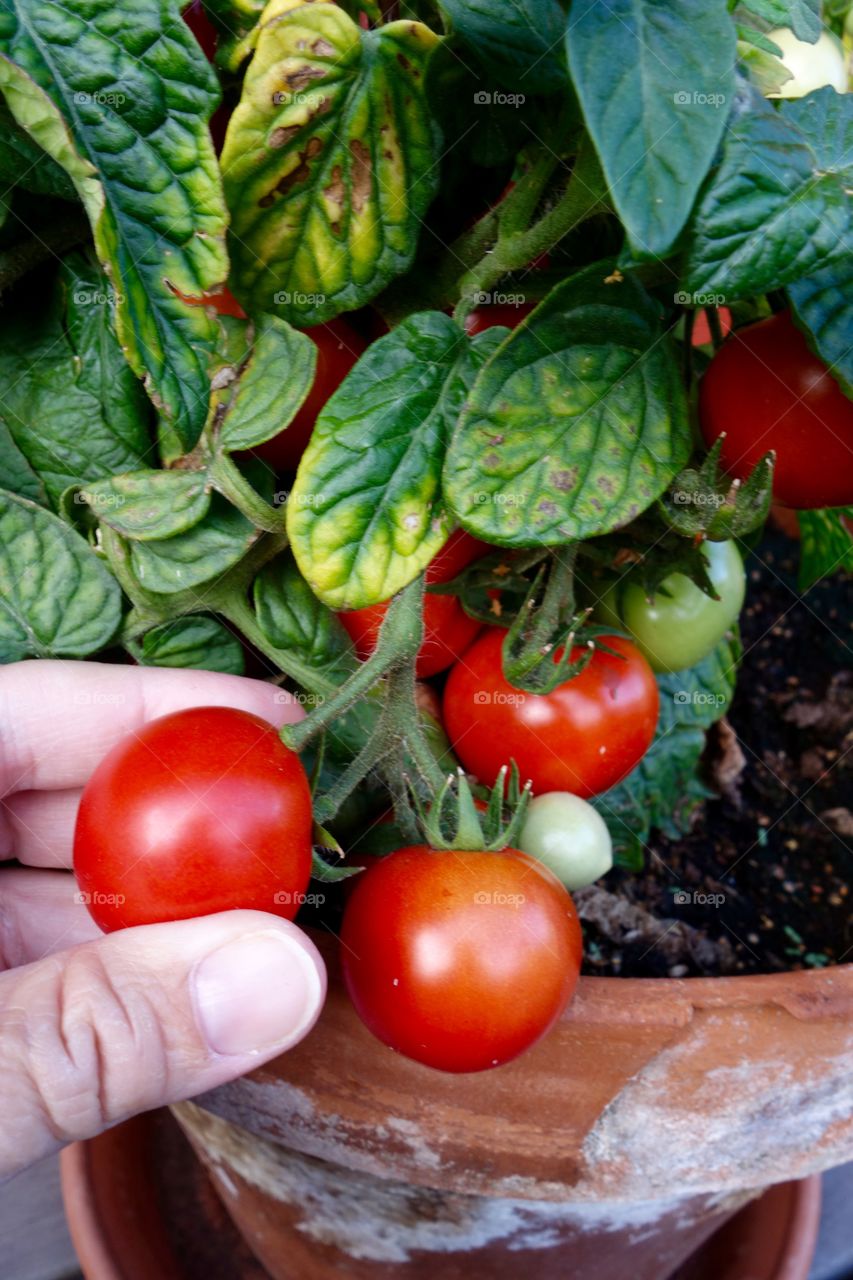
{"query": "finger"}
[(39, 828), (39, 915), (58, 719), (146, 1017)]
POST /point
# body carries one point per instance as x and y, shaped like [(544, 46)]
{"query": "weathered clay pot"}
[(652, 1111)]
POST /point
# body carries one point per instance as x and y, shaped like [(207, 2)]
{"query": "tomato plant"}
[(680, 624), (570, 837), (448, 630), (765, 390), (446, 472), (421, 933), (582, 737), (199, 811), (338, 348)]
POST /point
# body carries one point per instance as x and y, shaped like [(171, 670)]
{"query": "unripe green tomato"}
[(680, 628), (569, 836), (811, 65)]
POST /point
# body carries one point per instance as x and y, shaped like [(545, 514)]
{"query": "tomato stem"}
[(233, 485)]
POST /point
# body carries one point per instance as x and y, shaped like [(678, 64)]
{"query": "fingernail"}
[(257, 993)]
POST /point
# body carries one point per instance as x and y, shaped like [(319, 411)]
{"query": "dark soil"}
[(762, 883)]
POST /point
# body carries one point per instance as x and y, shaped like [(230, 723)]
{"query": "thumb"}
[(144, 1017)]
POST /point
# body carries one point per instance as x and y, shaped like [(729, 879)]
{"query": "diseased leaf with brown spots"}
[(576, 424), (329, 161)]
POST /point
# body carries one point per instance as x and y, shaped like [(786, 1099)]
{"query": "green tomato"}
[(682, 624), (811, 65), (569, 836)]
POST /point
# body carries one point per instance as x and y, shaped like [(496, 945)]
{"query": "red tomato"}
[(200, 811), (583, 737), (447, 628), (486, 317), (338, 348), (460, 960), (201, 27), (702, 330), (766, 390)]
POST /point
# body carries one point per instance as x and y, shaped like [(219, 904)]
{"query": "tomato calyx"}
[(703, 502), (454, 820)]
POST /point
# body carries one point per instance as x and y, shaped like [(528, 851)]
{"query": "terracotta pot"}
[(140, 1207), (651, 1113)]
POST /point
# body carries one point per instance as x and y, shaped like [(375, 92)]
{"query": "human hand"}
[(96, 1028)]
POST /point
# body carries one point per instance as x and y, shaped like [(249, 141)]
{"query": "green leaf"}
[(329, 162), (520, 41), (120, 96), (826, 544), (292, 618), (149, 505), (802, 16), (56, 598), (576, 424), (365, 515), (776, 208), (762, 64), (68, 399), (18, 475), (198, 641), (189, 559), (656, 82), (23, 163), (273, 382), (823, 305), (665, 788)]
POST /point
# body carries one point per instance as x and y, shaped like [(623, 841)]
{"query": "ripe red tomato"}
[(583, 737), (447, 628), (200, 811), (460, 960), (201, 27), (766, 390), (702, 330), (338, 348), (486, 317)]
